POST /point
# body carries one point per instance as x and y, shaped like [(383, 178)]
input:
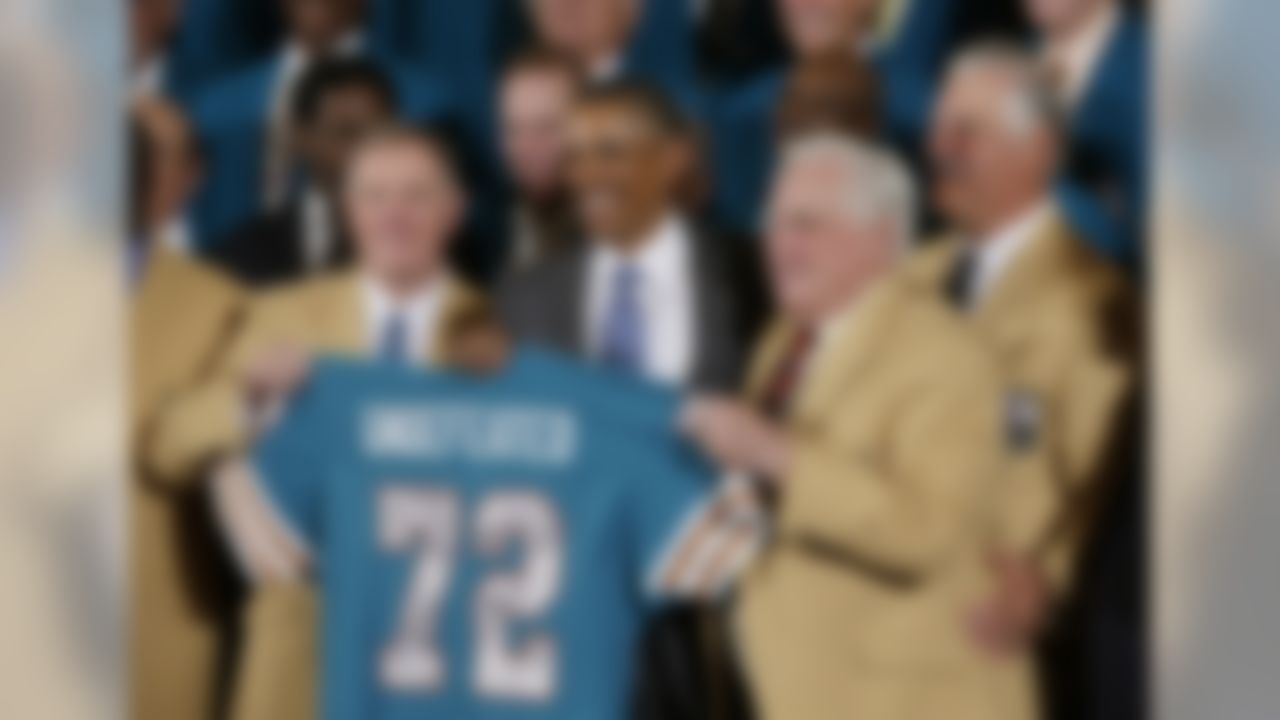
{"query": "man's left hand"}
[(737, 437), (1010, 622)]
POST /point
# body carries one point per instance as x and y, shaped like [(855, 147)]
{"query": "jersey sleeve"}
[(686, 542)]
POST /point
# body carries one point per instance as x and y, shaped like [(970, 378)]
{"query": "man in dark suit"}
[(1096, 53), (646, 293), (242, 120), (649, 295), (471, 43), (336, 104), (536, 99)]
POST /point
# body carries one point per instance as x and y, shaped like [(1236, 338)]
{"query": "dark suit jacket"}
[(680, 676), (544, 305), (269, 250)]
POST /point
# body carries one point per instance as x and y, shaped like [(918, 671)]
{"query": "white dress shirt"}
[(295, 61), (421, 311), (664, 261), (995, 254), (1074, 60)]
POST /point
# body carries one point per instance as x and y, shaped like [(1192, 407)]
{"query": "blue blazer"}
[(466, 42), (1104, 188), (218, 37), (743, 139), (231, 117), (664, 43)]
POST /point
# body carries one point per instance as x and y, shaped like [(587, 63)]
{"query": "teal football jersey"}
[(485, 547)]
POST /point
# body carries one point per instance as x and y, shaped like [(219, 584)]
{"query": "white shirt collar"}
[(833, 327), (1077, 57), (661, 251), (606, 69), (996, 253), (421, 311)]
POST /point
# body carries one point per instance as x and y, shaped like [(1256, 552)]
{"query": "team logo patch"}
[(1023, 417)]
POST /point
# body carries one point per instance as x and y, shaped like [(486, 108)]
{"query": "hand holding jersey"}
[(274, 373), (557, 498), (738, 437)]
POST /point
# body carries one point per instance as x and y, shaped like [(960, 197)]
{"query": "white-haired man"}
[(873, 421), (1063, 326)]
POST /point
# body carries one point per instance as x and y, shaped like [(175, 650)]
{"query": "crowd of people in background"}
[(873, 221)]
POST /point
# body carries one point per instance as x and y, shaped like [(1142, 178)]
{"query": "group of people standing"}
[(894, 267)]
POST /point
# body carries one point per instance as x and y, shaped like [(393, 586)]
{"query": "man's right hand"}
[(275, 373)]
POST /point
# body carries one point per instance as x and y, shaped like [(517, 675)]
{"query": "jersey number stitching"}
[(428, 522)]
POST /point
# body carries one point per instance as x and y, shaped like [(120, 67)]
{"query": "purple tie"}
[(623, 343)]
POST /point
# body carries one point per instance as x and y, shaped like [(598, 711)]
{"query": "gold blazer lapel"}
[(765, 362), (342, 321), (1030, 273), (846, 356)]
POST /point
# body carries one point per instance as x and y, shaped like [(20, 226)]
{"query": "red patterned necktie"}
[(781, 389)]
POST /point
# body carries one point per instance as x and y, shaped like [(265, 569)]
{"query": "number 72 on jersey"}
[(429, 523)]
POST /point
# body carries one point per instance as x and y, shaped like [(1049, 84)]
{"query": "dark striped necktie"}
[(780, 391)]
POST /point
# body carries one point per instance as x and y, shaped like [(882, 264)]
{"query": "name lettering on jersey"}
[(520, 434)]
